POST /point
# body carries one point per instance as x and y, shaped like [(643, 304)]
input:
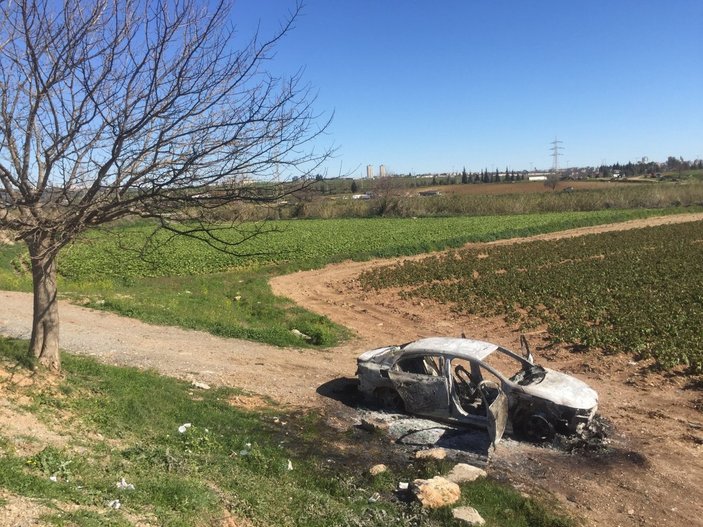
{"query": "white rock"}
[(300, 334), (463, 472), (468, 515)]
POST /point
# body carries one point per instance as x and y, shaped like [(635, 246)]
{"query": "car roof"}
[(465, 348)]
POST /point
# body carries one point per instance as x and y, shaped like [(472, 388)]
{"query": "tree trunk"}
[(44, 344)]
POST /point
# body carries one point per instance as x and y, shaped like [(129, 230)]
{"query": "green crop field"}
[(186, 283), (308, 243), (638, 291)]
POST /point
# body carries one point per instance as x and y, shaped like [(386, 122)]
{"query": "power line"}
[(556, 153)]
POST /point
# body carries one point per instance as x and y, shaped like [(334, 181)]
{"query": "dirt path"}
[(380, 319), (288, 375), (656, 465), (653, 476)]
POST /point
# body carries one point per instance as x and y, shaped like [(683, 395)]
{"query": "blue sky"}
[(435, 86)]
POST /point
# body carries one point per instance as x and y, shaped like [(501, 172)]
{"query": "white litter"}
[(122, 484), (201, 385), (114, 504), (290, 465), (185, 426), (53, 478), (402, 485)]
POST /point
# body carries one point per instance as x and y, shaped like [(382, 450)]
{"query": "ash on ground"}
[(592, 439)]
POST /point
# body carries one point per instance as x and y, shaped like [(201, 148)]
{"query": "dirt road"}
[(651, 477), (288, 375)]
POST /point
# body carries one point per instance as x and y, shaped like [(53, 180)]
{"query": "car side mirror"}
[(525, 348)]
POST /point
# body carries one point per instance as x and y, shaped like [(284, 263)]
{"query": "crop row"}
[(125, 253), (638, 291)]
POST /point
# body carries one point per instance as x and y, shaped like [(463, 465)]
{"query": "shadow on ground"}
[(407, 432), (343, 390)]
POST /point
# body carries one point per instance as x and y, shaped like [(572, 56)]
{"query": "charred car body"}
[(477, 383)]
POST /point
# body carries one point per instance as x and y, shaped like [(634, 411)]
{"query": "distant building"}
[(369, 171), (537, 178), (382, 171)]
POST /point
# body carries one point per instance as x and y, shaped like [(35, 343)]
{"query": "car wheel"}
[(537, 428), (389, 399)]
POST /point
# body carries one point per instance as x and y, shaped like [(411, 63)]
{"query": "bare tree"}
[(386, 192), (552, 180), (149, 108)]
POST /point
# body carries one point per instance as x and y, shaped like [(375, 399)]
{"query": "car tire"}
[(537, 428)]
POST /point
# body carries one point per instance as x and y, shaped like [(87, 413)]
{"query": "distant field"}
[(634, 291), (489, 199), (521, 187)]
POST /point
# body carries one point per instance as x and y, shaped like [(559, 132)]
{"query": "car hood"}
[(564, 390)]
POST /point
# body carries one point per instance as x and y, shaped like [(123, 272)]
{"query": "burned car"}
[(477, 383)]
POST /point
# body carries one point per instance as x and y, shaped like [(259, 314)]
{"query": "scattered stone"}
[(463, 472), (431, 453), (300, 334), (468, 515), (378, 469), (373, 425), (436, 492), (631, 512)]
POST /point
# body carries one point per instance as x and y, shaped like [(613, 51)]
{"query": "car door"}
[(496, 403), (422, 394)]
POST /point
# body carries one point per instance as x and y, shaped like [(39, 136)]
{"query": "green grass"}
[(185, 283), (236, 304), (123, 423)]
